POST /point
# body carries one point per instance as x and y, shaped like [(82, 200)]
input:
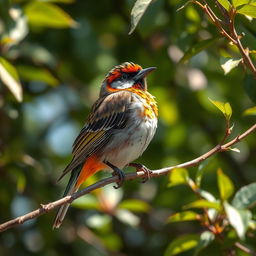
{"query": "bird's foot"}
[(116, 172), (142, 168)]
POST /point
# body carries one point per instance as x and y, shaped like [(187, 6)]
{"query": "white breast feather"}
[(128, 145)]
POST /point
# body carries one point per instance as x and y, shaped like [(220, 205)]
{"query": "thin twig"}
[(244, 249), (130, 176), (215, 20), (231, 35), (243, 51)]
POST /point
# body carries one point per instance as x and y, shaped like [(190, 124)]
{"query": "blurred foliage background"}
[(62, 51)]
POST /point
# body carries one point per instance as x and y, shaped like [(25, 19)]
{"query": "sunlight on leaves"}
[(178, 176), (239, 219), (248, 10), (237, 3), (182, 244), (212, 213), (225, 3), (224, 107), (203, 204), (228, 64), (137, 12), (235, 150), (205, 239), (10, 78), (47, 15), (183, 216), (207, 195), (245, 197), (225, 185)]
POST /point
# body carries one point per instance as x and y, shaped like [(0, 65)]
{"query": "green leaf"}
[(135, 205), (228, 64), (10, 78), (250, 87), (212, 213), (196, 48), (137, 12), (234, 149), (245, 197), (248, 10), (206, 195), (225, 3), (182, 244), (30, 73), (224, 107), (237, 3), (250, 111), (225, 185), (47, 15), (178, 176), (184, 216), (203, 204), (205, 239), (238, 219)]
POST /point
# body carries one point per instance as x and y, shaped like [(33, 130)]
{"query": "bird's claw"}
[(142, 168), (117, 172), (121, 177)]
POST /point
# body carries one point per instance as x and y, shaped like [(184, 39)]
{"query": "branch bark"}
[(44, 208)]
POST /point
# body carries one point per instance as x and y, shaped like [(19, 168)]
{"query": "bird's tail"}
[(70, 189)]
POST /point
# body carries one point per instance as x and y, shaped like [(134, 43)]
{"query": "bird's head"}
[(124, 76)]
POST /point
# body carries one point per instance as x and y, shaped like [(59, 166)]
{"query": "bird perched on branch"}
[(120, 127)]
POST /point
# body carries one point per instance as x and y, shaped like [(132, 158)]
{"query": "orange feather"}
[(91, 166)]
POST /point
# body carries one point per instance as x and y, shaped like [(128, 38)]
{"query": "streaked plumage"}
[(120, 126)]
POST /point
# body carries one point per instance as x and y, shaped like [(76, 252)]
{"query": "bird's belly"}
[(127, 145)]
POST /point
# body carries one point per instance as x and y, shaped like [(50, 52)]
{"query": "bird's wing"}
[(107, 114)]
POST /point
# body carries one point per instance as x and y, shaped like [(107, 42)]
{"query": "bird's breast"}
[(129, 143)]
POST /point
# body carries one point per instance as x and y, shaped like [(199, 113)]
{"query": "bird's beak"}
[(143, 73)]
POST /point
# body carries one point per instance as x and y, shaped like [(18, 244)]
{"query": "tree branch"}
[(230, 33), (44, 208)]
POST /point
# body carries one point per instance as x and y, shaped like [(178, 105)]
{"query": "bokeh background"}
[(61, 64)]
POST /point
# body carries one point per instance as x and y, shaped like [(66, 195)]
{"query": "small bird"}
[(120, 126)]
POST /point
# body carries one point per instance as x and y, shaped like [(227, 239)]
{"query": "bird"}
[(119, 128)]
